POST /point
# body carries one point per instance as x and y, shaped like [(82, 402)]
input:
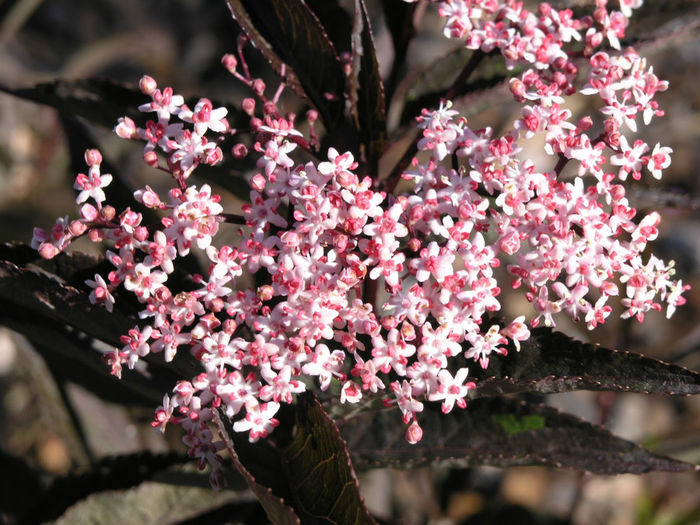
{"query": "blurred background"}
[(180, 43)]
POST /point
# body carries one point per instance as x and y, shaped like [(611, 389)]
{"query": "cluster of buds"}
[(320, 239)]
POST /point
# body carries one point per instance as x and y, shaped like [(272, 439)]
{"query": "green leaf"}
[(99, 101), (500, 432), (287, 31), (303, 468), (366, 91), (553, 362)]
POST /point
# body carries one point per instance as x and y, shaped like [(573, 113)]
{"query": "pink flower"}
[(452, 390)]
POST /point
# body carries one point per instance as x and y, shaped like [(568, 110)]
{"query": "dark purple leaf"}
[(500, 432), (336, 21), (553, 362), (98, 101), (398, 16), (287, 31), (366, 91), (261, 467), (304, 466)]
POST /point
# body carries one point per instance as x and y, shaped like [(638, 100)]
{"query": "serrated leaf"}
[(99, 101), (33, 298), (366, 91), (553, 362), (318, 482), (499, 432), (260, 466), (320, 471), (287, 31), (336, 21), (45, 297)]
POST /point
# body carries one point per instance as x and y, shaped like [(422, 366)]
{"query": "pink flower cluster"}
[(321, 239)]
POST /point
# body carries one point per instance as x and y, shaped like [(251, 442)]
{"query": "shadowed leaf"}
[(553, 362), (261, 467), (323, 480), (398, 16), (366, 91), (99, 101), (287, 31), (111, 473), (318, 481), (39, 296), (500, 432), (336, 21)]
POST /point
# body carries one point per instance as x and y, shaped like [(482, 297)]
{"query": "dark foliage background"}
[(58, 429)]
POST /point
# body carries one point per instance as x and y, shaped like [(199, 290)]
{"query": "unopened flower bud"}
[(147, 85), (517, 88), (126, 128), (258, 86), (584, 123), (270, 109), (217, 305), (141, 233), (93, 157), (255, 123), (230, 62), (414, 433), (88, 212), (258, 181), (311, 116), (414, 244), (239, 151), (108, 212), (248, 106), (95, 235), (48, 250), (151, 158)]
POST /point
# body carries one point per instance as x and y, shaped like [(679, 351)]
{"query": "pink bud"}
[(108, 212), (518, 89), (312, 116), (230, 62), (585, 123), (248, 105), (93, 157), (414, 244), (255, 123), (414, 433), (89, 212), (270, 108), (147, 85), (239, 151), (77, 228), (126, 128), (258, 86), (258, 181), (151, 158), (141, 233), (48, 250)]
